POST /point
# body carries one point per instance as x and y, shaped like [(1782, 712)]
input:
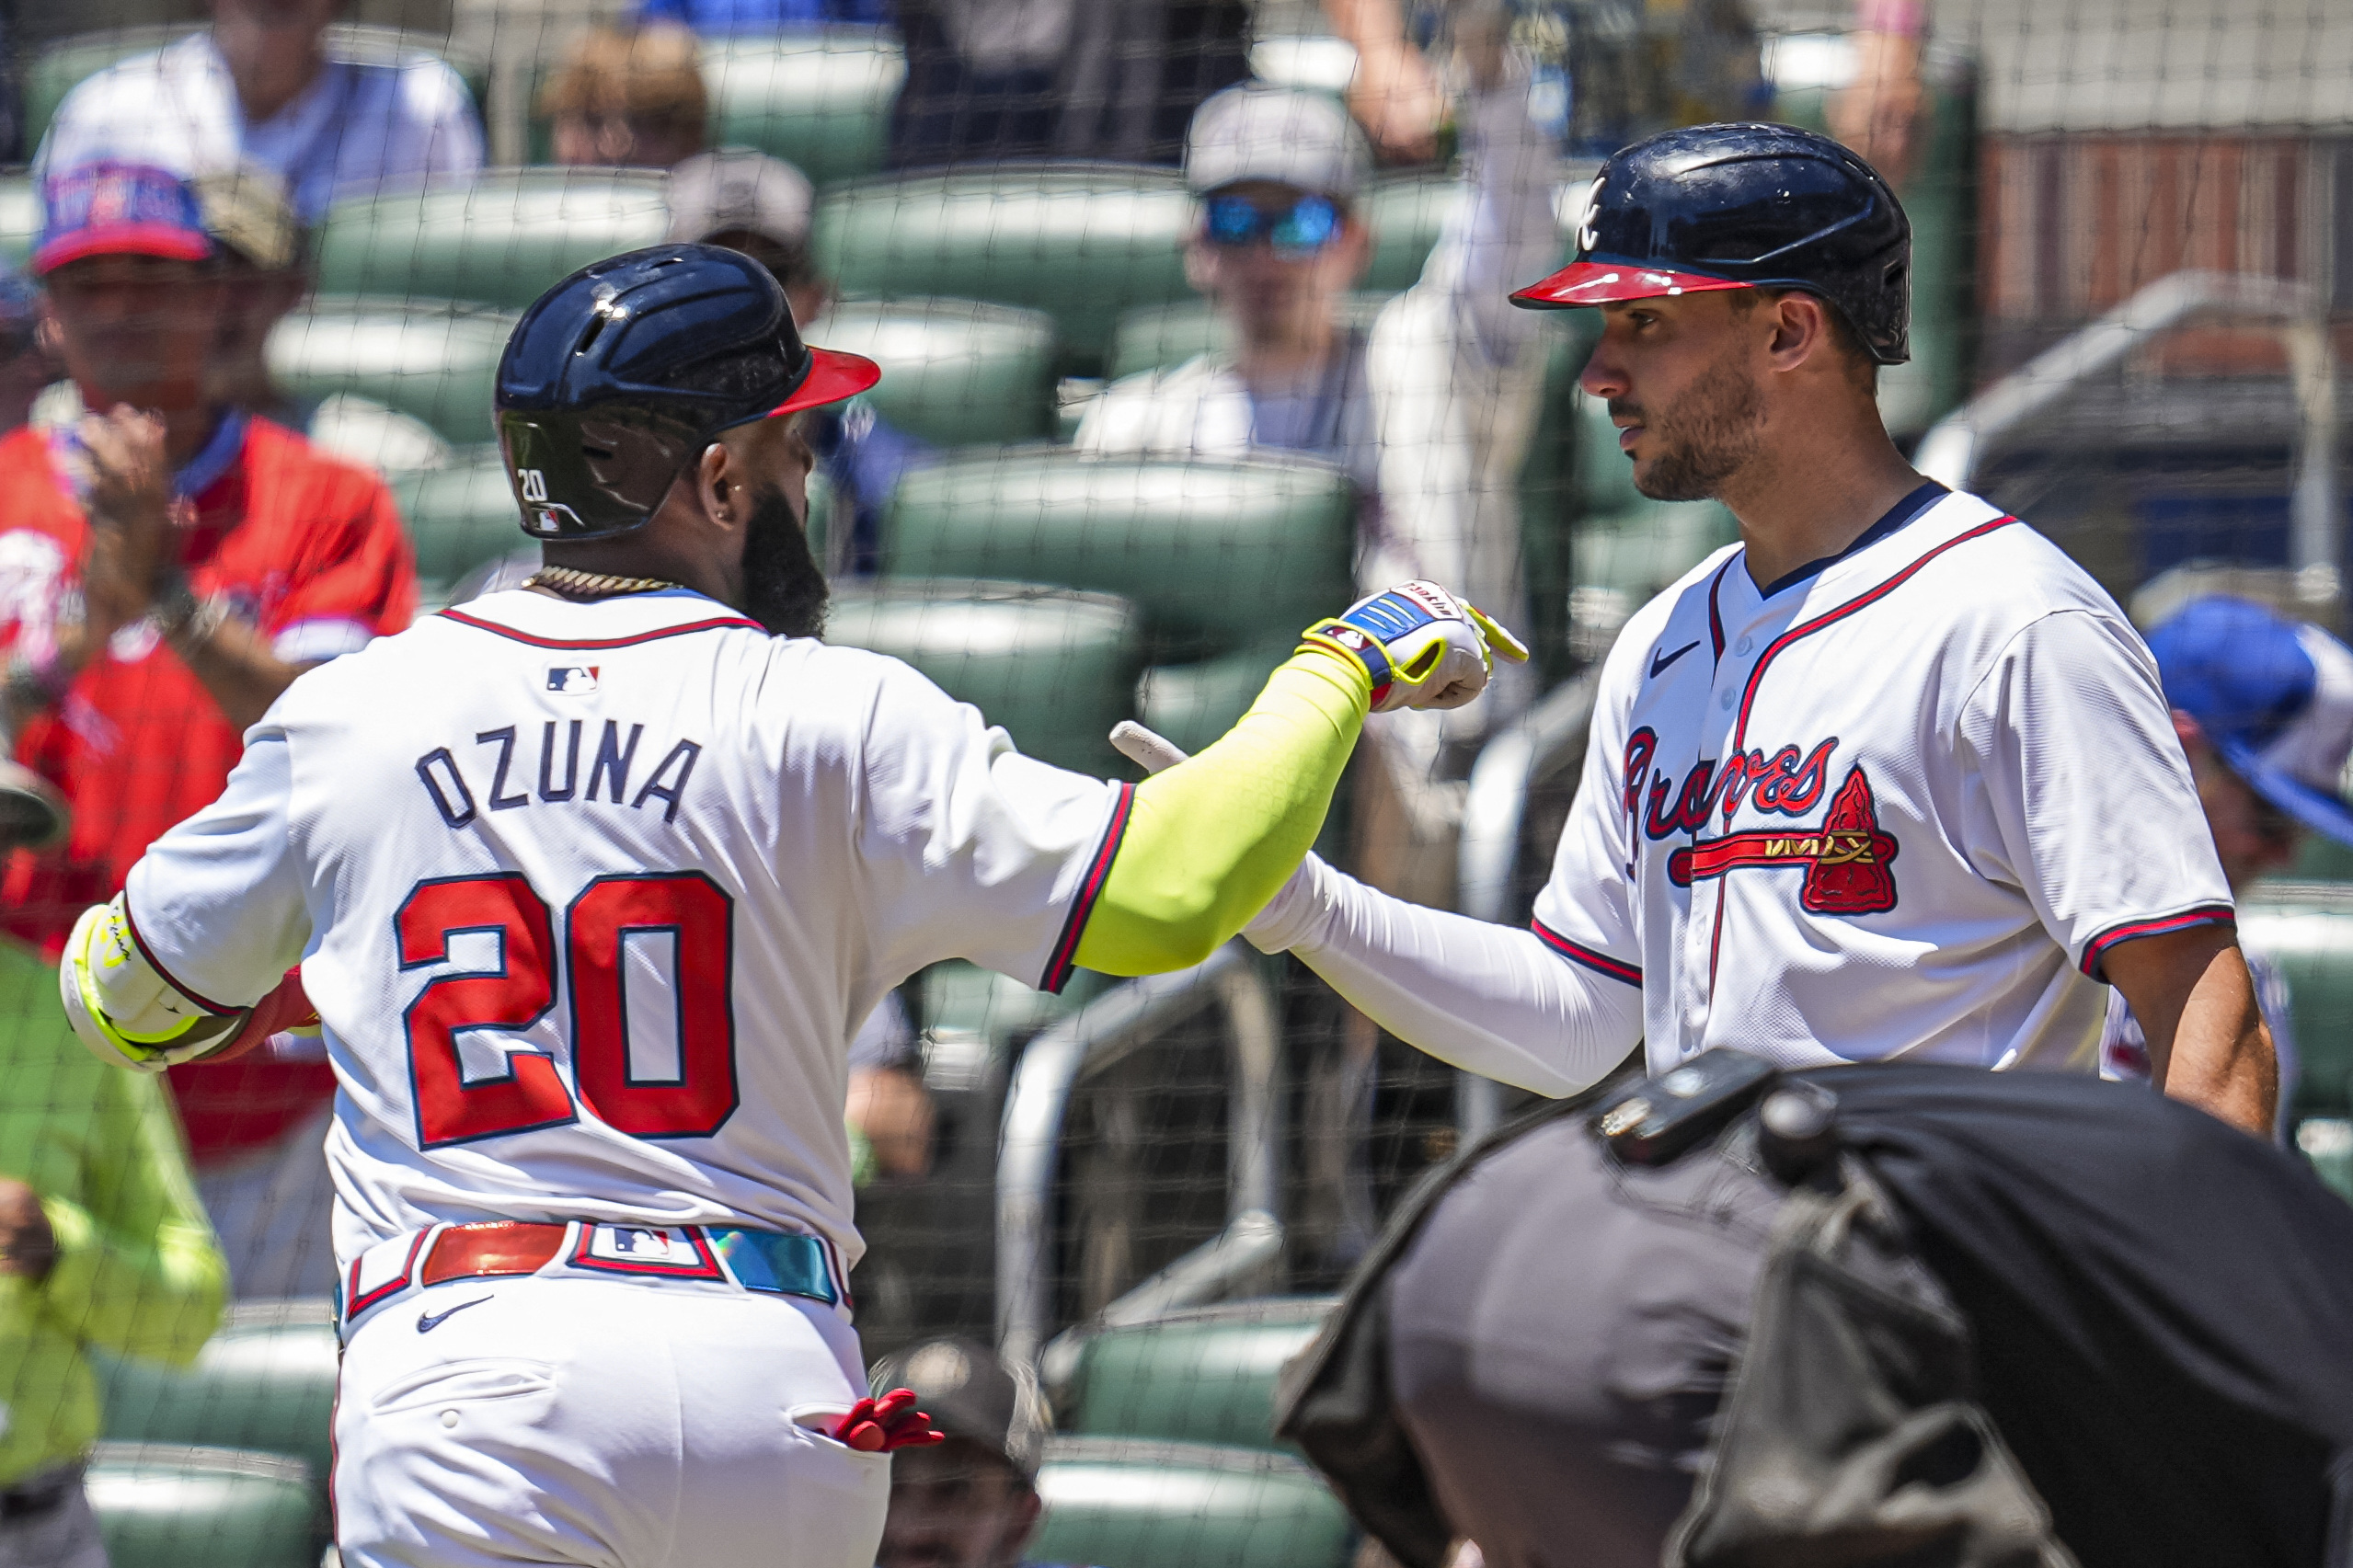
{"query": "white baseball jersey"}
[(591, 899), (1899, 806)]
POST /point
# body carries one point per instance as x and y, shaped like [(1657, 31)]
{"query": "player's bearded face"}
[(1703, 435), (784, 589)]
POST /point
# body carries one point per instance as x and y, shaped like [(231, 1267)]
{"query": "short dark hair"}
[(1862, 365)]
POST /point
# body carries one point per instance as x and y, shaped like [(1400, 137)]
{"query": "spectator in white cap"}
[(265, 83), (2264, 707), (1429, 410), (761, 206)]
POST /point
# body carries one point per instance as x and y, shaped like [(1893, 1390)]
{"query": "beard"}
[(784, 589), (1704, 437)]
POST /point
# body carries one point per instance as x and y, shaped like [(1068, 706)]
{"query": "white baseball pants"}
[(617, 1423)]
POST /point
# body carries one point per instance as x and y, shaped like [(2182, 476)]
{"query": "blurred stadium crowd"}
[(1192, 316)]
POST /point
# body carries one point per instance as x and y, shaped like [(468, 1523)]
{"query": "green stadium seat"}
[(1056, 669), (2307, 929), (1218, 556), (266, 1382), (1080, 241), (459, 517), (820, 100), (177, 1505), (955, 372), (60, 65), (500, 241), (20, 219), (1123, 1503), (1226, 561), (433, 359), (1201, 1376), (1195, 701)]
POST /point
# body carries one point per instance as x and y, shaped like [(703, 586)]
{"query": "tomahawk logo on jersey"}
[(1901, 801)]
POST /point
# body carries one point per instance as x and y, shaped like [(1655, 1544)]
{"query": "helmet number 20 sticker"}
[(533, 482)]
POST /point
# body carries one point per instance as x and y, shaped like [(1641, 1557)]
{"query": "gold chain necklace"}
[(575, 584)]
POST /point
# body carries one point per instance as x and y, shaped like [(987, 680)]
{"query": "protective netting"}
[(1127, 442)]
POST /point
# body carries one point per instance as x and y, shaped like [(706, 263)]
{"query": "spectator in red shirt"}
[(167, 567)]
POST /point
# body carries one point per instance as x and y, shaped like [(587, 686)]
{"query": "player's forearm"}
[(2222, 1059), (2196, 1003), (1211, 840), (1489, 999)]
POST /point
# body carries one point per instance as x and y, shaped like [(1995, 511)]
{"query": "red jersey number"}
[(689, 911)]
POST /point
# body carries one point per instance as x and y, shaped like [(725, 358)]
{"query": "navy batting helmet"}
[(1743, 207), (618, 377)]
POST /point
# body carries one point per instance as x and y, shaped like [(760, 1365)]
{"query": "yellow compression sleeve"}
[(1211, 840)]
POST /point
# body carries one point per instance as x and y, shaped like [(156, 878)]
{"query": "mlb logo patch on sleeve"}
[(575, 679)]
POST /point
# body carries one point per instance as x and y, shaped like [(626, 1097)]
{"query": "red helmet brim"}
[(833, 377), (1598, 282)]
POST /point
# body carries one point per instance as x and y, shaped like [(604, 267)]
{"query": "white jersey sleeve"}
[(971, 849), (2106, 841), (218, 902), (1484, 998)]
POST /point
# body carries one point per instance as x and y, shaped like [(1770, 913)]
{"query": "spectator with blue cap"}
[(2264, 707)]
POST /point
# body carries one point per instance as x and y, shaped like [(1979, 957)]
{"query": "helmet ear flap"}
[(594, 474)]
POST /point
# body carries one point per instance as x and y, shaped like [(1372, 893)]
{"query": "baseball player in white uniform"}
[(591, 883), (1891, 777)]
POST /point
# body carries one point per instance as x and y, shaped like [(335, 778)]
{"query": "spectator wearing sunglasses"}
[(1428, 410), (2264, 707)]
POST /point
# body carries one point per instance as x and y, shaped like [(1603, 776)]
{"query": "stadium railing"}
[(1040, 1287)]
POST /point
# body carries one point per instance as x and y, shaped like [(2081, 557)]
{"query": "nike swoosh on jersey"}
[(428, 1322), (1659, 661)]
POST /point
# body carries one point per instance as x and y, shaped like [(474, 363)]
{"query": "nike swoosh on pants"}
[(428, 1322)]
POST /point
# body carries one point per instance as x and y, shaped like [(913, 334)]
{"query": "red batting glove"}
[(876, 1426)]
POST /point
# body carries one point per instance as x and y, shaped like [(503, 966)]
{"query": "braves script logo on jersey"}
[(1786, 783), (1846, 860)]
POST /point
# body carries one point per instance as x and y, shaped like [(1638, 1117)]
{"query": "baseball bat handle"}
[(1146, 748)]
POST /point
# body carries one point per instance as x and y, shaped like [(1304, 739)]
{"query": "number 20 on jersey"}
[(689, 908)]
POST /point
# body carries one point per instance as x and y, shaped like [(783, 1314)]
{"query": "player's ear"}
[(719, 485), (1802, 332)]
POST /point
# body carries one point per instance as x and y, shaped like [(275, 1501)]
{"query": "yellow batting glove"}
[(1422, 647)]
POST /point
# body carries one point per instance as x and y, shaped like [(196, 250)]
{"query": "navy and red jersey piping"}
[(1830, 617), (594, 644), (1593, 958), (217, 1008), (1716, 616), (1099, 871), (2161, 925), (1773, 650)]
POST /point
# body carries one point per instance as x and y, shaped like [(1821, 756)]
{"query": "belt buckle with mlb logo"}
[(677, 1253)]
